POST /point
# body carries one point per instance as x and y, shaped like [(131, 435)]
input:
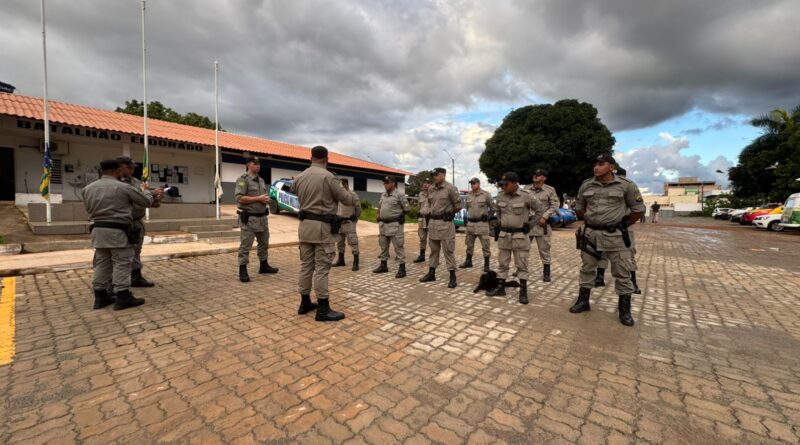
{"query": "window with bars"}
[(58, 171), (360, 184)]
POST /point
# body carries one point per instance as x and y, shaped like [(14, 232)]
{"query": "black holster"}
[(626, 235), (132, 232), (333, 220)]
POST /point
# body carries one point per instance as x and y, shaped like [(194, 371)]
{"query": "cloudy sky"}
[(400, 82)]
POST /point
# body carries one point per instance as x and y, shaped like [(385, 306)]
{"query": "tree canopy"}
[(156, 110), (415, 182), (769, 166), (563, 138)]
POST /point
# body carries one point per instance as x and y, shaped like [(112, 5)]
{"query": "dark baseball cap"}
[(428, 180), (540, 172), (474, 180), (389, 179), (605, 158), (508, 177), (438, 170), (621, 171), (254, 159)]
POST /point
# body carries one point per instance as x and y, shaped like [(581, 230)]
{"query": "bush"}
[(366, 205)]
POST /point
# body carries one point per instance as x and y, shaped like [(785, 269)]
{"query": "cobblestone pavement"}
[(714, 356)]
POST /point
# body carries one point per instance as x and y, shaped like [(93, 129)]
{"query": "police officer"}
[(514, 207), (319, 192), (109, 203), (444, 201), (600, 279), (392, 209), (422, 222), (349, 213), (480, 207), (540, 230), (251, 194), (126, 171), (607, 203)]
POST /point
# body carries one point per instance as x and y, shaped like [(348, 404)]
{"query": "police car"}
[(282, 198)]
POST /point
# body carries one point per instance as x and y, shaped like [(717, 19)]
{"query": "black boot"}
[(625, 310), (325, 313), (452, 283), (243, 277), (523, 291), (635, 286), (137, 280), (499, 290), (486, 264), (306, 305), (430, 276), (381, 269), (355, 263), (102, 298), (264, 267), (125, 299), (546, 273), (582, 305), (340, 262), (421, 257), (467, 263), (401, 271), (599, 280)]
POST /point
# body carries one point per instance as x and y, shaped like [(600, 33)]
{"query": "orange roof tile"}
[(78, 115)]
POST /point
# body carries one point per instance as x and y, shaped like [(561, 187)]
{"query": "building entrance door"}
[(7, 183)]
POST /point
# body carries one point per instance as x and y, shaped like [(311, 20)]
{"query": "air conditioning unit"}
[(56, 147)]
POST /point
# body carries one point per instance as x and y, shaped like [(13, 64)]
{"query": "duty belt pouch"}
[(336, 225), (244, 216), (526, 228), (133, 233)]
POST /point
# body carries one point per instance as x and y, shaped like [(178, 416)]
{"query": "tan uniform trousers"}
[(315, 265), (543, 245), (348, 233), (392, 233), (112, 268), (619, 260), (518, 245), (603, 263), (479, 230), (137, 248)]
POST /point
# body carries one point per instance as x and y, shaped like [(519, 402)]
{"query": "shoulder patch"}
[(242, 183)]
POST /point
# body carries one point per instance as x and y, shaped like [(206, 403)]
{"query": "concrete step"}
[(218, 234), (170, 239), (226, 240), (208, 228)]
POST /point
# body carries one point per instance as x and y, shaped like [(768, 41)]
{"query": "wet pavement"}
[(714, 356)]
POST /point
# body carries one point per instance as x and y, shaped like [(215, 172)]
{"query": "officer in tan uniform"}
[(602, 265), (252, 195), (480, 207), (514, 207), (109, 203), (319, 193), (540, 230), (349, 213), (422, 221), (392, 210), (444, 201), (608, 204), (127, 168)]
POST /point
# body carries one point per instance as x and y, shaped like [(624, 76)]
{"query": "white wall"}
[(278, 173), (375, 186), (230, 172)]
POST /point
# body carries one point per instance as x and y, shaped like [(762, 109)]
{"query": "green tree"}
[(157, 110), (769, 166), (563, 138), (415, 182)]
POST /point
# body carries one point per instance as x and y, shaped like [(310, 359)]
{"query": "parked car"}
[(282, 198), (721, 213), (763, 210), (736, 215), (771, 222), (563, 218), (461, 215), (790, 219)]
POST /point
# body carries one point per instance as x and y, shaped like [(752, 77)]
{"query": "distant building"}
[(683, 196), (691, 186)]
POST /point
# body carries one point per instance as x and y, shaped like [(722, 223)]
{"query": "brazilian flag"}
[(44, 186)]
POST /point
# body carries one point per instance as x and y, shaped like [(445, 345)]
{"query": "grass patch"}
[(371, 215)]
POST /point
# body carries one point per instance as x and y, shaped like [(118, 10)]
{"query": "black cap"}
[(109, 164), (508, 177), (389, 179), (474, 180), (255, 159), (438, 170), (125, 160), (605, 158), (621, 171), (540, 172), (428, 180)]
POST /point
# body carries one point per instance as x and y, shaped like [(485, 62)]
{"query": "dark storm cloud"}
[(371, 72)]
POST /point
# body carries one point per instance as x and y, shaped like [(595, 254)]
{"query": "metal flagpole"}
[(217, 179), (146, 163), (45, 186)]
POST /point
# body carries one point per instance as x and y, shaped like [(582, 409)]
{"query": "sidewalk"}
[(282, 228)]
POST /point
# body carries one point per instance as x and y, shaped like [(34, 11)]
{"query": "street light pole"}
[(453, 164)]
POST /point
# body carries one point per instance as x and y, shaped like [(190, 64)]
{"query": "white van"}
[(791, 212)]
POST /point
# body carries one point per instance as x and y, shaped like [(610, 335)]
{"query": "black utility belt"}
[(334, 220), (400, 220), (249, 213), (443, 217), (479, 219), (353, 218), (610, 228), (516, 230), (132, 232)]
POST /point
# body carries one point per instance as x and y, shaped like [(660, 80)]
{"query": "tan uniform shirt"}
[(111, 200), (443, 200), (348, 211), (138, 211), (548, 198), (249, 185), (514, 211), (319, 192), (391, 208), (479, 206), (607, 204), (424, 208)]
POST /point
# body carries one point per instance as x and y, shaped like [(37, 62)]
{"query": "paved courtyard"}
[(714, 356)]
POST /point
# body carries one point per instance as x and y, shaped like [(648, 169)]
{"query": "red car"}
[(763, 210)]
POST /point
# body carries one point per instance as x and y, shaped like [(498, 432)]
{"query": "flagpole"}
[(46, 117), (217, 179), (146, 166)]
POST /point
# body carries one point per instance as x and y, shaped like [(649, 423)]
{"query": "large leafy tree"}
[(563, 138), (156, 110), (769, 166), (415, 182)]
